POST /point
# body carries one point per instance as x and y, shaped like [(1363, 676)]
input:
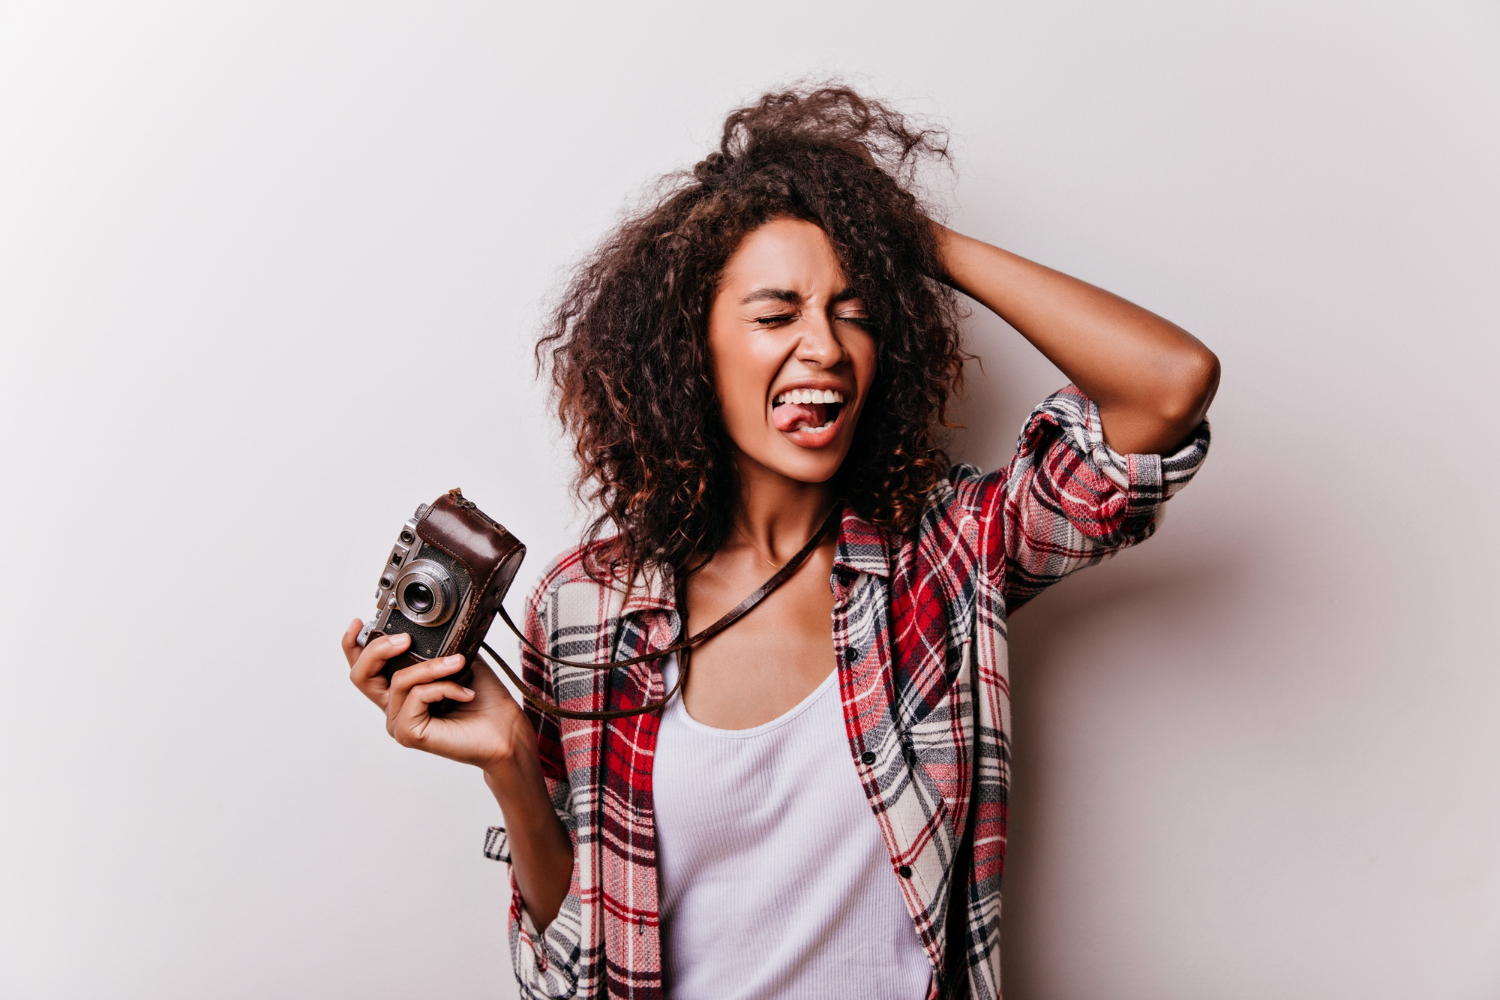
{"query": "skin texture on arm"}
[(540, 851), (1152, 380)]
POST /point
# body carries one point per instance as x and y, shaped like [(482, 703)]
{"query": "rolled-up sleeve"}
[(546, 962), (1068, 500)]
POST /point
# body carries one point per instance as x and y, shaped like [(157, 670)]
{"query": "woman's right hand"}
[(484, 727)]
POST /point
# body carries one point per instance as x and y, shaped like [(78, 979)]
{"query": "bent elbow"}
[(1195, 380)]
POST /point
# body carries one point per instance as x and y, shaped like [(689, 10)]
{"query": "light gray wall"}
[(268, 277)]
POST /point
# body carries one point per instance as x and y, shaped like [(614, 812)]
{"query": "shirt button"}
[(868, 756), (904, 871), (851, 654)]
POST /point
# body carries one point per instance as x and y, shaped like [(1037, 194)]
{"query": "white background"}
[(269, 274)]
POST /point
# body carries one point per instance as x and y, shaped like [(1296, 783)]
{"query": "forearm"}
[(1152, 380), (540, 849)]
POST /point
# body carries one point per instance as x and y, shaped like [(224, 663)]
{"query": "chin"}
[(805, 465)]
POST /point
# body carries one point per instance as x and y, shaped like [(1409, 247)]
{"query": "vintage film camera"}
[(443, 582)]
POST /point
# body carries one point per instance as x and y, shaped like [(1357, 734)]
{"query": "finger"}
[(403, 680), (350, 641), (365, 674), (372, 659), (409, 725), (421, 673), (426, 694)]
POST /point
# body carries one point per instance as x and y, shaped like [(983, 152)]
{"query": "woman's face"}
[(793, 353)]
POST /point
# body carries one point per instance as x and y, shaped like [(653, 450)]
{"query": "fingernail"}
[(468, 692), (455, 660), (398, 639)]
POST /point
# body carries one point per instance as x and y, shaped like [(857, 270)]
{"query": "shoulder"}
[(966, 490), (579, 566), (951, 520), (961, 479)]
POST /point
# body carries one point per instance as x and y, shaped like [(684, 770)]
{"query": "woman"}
[(822, 812)]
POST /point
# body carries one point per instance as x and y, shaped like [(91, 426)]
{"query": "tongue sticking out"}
[(790, 417)]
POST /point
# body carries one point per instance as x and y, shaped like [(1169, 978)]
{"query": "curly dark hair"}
[(628, 341)]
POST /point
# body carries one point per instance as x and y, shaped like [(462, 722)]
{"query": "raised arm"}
[(1151, 379)]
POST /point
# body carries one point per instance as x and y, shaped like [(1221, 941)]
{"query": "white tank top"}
[(773, 878)]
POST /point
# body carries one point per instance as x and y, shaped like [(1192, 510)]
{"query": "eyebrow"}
[(791, 297)]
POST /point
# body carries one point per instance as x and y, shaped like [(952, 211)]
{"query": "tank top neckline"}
[(678, 708)]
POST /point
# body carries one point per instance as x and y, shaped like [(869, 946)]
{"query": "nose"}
[(819, 344)]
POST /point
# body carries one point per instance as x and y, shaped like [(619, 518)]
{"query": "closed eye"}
[(777, 320)]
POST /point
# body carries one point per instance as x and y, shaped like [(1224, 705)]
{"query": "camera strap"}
[(684, 647), (541, 704)]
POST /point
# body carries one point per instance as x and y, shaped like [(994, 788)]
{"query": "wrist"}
[(511, 773)]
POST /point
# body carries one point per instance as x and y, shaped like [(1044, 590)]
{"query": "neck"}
[(776, 515)]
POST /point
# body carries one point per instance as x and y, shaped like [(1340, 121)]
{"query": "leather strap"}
[(684, 647), (539, 703)]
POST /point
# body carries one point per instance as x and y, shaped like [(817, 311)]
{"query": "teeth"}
[(810, 396)]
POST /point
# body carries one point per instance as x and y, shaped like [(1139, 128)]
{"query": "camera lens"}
[(425, 592), (418, 597)]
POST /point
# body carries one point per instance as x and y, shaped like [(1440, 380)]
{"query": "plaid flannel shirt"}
[(919, 632)]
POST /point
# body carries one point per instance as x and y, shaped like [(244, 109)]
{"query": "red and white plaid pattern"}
[(915, 620)]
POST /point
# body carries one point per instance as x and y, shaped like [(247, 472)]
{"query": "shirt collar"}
[(651, 590), (863, 547)]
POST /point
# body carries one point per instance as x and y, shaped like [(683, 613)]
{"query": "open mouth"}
[(806, 410)]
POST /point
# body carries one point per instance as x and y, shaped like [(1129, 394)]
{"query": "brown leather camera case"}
[(490, 555)]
